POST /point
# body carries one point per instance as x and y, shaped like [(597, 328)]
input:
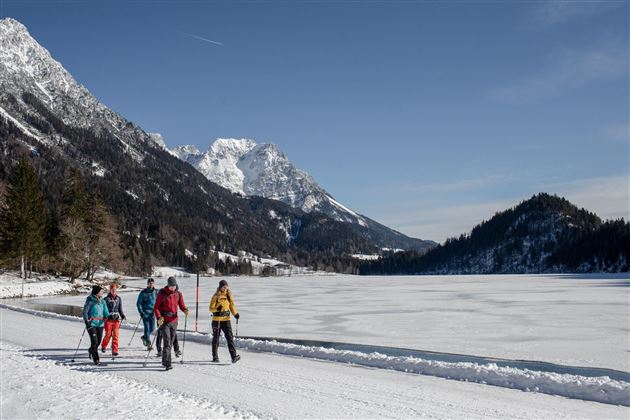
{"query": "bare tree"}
[(76, 248)]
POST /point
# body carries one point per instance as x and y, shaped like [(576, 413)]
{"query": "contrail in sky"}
[(202, 38)]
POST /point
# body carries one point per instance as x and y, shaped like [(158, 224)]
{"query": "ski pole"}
[(152, 343), (134, 331), (236, 327), (184, 343), (77, 351)]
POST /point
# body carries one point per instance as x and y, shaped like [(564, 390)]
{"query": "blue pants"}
[(149, 326)]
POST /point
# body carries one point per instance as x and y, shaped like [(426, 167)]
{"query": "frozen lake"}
[(581, 320)]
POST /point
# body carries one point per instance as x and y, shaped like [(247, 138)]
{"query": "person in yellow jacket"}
[(221, 304)]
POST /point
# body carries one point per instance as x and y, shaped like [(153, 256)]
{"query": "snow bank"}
[(11, 286), (32, 386), (169, 272), (600, 389)]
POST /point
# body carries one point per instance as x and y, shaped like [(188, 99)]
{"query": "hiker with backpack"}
[(145, 304), (166, 304), (113, 321), (221, 304), (95, 312)]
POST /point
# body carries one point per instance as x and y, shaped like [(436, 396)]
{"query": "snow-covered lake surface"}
[(581, 320)]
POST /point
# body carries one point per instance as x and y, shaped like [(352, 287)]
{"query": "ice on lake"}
[(569, 319)]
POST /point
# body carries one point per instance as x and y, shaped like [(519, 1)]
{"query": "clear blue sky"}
[(426, 116)]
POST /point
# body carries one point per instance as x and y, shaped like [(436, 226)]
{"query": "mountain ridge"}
[(251, 169), (543, 234)]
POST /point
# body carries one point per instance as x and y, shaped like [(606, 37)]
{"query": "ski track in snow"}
[(37, 367), (51, 389)]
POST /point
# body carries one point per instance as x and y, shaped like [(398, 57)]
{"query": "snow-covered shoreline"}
[(601, 389)]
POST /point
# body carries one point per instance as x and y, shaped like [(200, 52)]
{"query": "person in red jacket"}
[(166, 304)]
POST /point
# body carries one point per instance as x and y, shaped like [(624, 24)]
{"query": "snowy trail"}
[(261, 385)]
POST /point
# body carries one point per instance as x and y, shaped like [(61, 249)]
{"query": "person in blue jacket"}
[(95, 313), (145, 304)]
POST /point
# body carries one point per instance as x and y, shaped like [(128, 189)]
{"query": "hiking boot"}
[(144, 341), (215, 360), (178, 353), (236, 358), (97, 362), (169, 367), (115, 354)]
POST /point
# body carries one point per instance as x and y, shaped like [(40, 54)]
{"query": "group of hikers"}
[(105, 314)]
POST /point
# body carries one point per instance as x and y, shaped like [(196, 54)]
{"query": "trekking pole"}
[(76, 352), (152, 343), (134, 331), (236, 327), (184, 343)]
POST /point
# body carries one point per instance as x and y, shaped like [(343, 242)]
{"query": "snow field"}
[(34, 385), (260, 385), (599, 389)]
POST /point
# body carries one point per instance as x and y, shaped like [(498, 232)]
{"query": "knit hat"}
[(171, 281), (96, 289), (223, 283)]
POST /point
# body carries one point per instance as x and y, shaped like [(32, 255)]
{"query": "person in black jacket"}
[(112, 323)]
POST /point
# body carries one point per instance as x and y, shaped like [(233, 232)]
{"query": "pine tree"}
[(23, 217), (74, 200), (95, 225)]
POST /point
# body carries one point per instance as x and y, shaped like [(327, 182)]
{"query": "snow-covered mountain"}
[(245, 167), (45, 112), (248, 168), (26, 66)]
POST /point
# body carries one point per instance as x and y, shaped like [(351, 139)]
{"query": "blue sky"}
[(426, 116)]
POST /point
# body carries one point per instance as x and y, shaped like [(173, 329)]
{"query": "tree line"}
[(74, 239), (545, 233)]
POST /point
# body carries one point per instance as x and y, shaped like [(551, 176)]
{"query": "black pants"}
[(226, 327), (159, 341), (169, 331), (96, 335)]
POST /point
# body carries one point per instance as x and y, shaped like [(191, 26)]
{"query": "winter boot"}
[(236, 358), (169, 367), (144, 341), (215, 360), (178, 353), (114, 354)]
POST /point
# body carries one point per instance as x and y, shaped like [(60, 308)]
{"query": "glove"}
[(186, 311), (87, 325), (160, 321), (122, 318), (237, 316)]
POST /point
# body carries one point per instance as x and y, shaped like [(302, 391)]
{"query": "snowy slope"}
[(247, 168), (26, 66), (251, 169), (261, 385)]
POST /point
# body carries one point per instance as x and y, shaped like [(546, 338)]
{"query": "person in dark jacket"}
[(95, 312), (168, 301), (221, 304), (112, 323), (145, 304)]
